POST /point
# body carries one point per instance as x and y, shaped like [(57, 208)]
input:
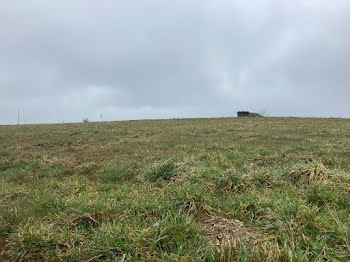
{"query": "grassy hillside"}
[(195, 189)]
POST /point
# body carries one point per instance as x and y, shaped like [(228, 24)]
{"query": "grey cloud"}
[(61, 60)]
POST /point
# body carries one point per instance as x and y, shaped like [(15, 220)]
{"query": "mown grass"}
[(139, 190)]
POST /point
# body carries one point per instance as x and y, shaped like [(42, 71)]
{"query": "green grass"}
[(140, 190)]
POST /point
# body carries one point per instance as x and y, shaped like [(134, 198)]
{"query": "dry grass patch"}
[(309, 174), (223, 229)]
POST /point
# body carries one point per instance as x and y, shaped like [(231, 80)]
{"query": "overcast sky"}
[(64, 60)]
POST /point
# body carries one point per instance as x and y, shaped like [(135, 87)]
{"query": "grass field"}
[(267, 189)]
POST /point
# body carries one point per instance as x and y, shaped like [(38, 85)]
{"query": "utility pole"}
[(101, 116), (18, 117)]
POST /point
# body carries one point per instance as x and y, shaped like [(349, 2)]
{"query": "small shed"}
[(243, 113)]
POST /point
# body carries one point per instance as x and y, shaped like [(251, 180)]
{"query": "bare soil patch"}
[(3, 254)]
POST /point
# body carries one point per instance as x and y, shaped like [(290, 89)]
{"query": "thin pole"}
[(18, 117)]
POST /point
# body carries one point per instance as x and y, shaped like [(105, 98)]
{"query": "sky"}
[(64, 60)]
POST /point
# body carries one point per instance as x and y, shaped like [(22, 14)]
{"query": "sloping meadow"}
[(268, 189)]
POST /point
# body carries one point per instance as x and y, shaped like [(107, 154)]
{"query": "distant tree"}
[(255, 115)]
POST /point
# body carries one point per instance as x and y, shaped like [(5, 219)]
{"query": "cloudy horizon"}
[(66, 60)]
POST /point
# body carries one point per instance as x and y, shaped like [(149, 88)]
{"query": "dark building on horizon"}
[(243, 113)]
